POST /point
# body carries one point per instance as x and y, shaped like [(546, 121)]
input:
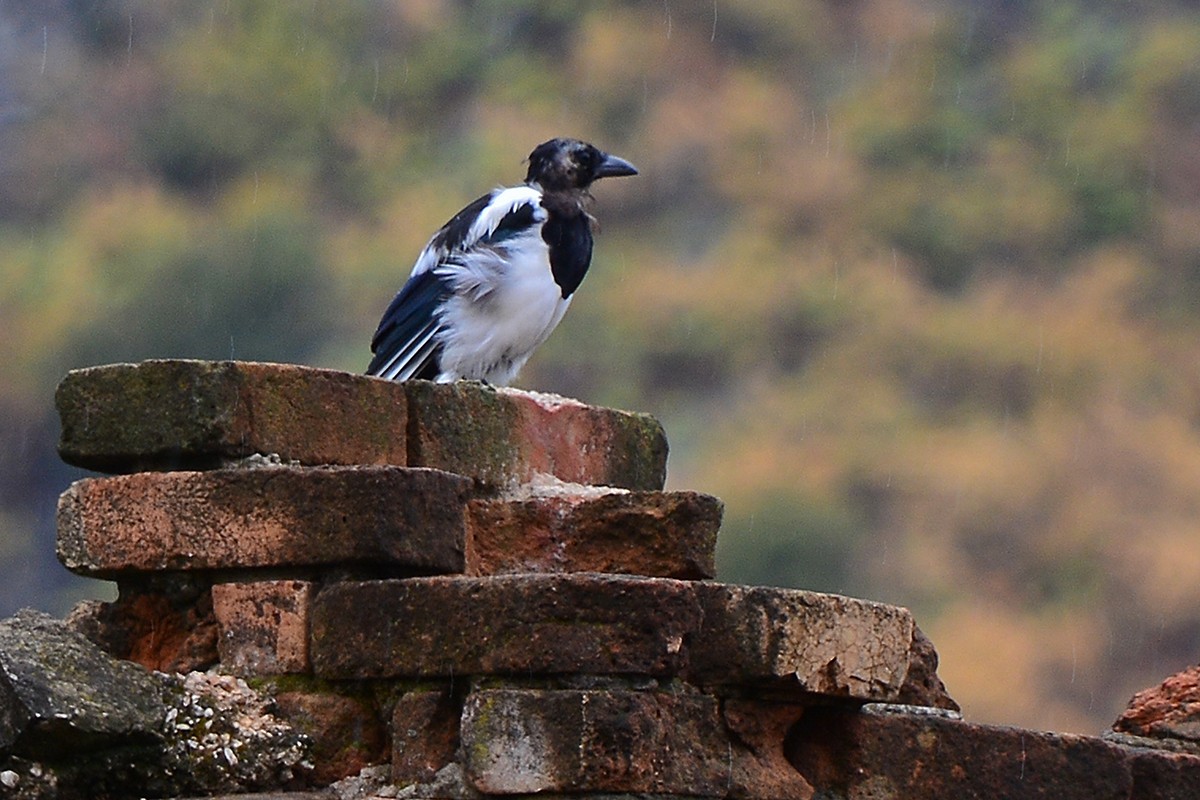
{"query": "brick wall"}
[(472, 592)]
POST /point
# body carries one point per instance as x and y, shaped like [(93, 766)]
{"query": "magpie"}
[(495, 280)]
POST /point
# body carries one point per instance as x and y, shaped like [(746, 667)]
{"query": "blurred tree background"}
[(914, 285)]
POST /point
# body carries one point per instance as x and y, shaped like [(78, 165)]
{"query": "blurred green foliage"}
[(913, 284)]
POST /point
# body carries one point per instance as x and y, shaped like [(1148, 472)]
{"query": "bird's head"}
[(564, 164)]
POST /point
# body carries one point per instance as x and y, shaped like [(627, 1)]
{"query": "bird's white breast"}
[(509, 306)]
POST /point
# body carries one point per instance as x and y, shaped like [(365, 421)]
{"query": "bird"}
[(494, 281)]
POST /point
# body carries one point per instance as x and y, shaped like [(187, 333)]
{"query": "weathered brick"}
[(586, 444), (507, 436), (1170, 710), (183, 414), (922, 686), (514, 624), (1163, 775), (165, 623), (758, 766), (659, 534), (801, 641), (386, 517), (262, 626), (345, 731), (527, 741), (180, 414), (788, 642), (845, 753), (425, 735)]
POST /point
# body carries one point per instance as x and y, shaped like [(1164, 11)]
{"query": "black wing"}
[(405, 344)]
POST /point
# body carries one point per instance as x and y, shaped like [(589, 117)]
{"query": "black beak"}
[(613, 167)]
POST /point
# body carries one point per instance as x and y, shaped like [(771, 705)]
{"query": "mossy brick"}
[(393, 518), (657, 534), (184, 414), (525, 741), (873, 753), (509, 436), (505, 625), (779, 643)]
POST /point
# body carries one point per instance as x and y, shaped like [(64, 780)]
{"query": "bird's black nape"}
[(566, 164)]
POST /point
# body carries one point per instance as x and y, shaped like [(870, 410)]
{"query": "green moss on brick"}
[(638, 452), (127, 416), (464, 427)]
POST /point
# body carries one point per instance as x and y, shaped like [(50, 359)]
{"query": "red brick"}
[(515, 624), (788, 642), (1169, 710), (585, 444), (384, 517), (166, 624), (759, 768), (506, 436), (178, 414), (181, 414), (262, 626), (658, 534), (527, 741), (346, 732), (425, 735), (845, 753)]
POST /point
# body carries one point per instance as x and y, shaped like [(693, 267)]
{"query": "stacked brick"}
[(487, 580), (487, 590)]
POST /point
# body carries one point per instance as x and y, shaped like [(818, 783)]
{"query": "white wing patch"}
[(503, 202), (503, 302)]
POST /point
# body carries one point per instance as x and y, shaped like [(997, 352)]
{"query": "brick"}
[(185, 415), (506, 436), (527, 741), (658, 534), (758, 766), (922, 686), (1161, 775), (850, 754), (425, 735), (788, 642), (802, 642), (380, 517), (165, 623), (578, 443), (1170, 710), (262, 626), (346, 732), (515, 624)]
